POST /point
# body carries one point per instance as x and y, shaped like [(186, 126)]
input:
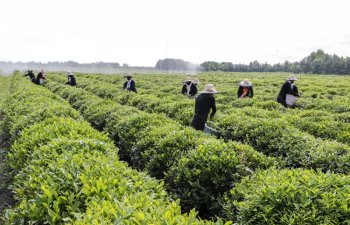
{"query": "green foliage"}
[(163, 146), (152, 142), (26, 107), (313, 135), (322, 124), (67, 172), (126, 130), (269, 105), (105, 212), (290, 197), (147, 145), (182, 112), (50, 187), (209, 171), (40, 133), (145, 102), (4, 89), (277, 138), (317, 62)]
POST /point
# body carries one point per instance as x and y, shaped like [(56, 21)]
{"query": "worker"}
[(245, 89)]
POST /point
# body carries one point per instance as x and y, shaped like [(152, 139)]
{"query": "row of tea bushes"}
[(4, 87), (180, 111), (293, 196), (334, 126), (258, 128), (276, 137), (67, 172), (325, 93), (329, 128), (322, 124), (196, 168), (277, 196)]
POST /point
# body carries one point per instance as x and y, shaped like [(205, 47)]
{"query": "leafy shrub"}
[(49, 188), (290, 197), (204, 174), (40, 133), (145, 102), (278, 139), (147, 146), (23, 109), (167, 150), (66, 170), (126, 131), (270, 105), (182, 112)]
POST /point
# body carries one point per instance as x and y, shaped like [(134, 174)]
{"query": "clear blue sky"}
[(139, 32)]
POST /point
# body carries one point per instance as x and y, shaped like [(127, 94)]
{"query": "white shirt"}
[(291, 85), (188, 88), (128, 84)]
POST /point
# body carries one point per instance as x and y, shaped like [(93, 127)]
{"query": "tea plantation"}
[(97, 154)]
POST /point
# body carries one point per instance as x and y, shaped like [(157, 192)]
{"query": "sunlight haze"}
[(140, 32)]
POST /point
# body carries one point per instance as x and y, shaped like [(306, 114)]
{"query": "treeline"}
[(176, 65), (317, 62)]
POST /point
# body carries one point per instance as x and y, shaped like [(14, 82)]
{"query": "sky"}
[(140, 32)]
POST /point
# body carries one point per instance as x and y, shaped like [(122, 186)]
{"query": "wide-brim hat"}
[(292, 77), (245, 83), (187, 79), (209, 89), (196, 81), (70, 74)]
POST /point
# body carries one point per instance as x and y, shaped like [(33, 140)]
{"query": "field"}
[(96, 154)]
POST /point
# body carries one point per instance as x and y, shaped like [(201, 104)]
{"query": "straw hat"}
[(292, 77), (129, 75), (245, 83), (187, 79), (210, 89), (196, 81)]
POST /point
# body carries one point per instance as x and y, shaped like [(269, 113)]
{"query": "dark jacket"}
[(132, 86), (193, 89), (31, 76), (204, 103), (39, 76), (71, 80), (287, 89), (240, 92)]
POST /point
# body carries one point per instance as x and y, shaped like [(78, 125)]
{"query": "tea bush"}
[(64, 167), (135, 132), (209, 171), (293, 196)]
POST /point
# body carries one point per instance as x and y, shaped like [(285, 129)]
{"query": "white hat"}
[(210, 89), (128, 75), (196, 81), (245, 83), (188, 79), (292, 77), (69, 73)]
